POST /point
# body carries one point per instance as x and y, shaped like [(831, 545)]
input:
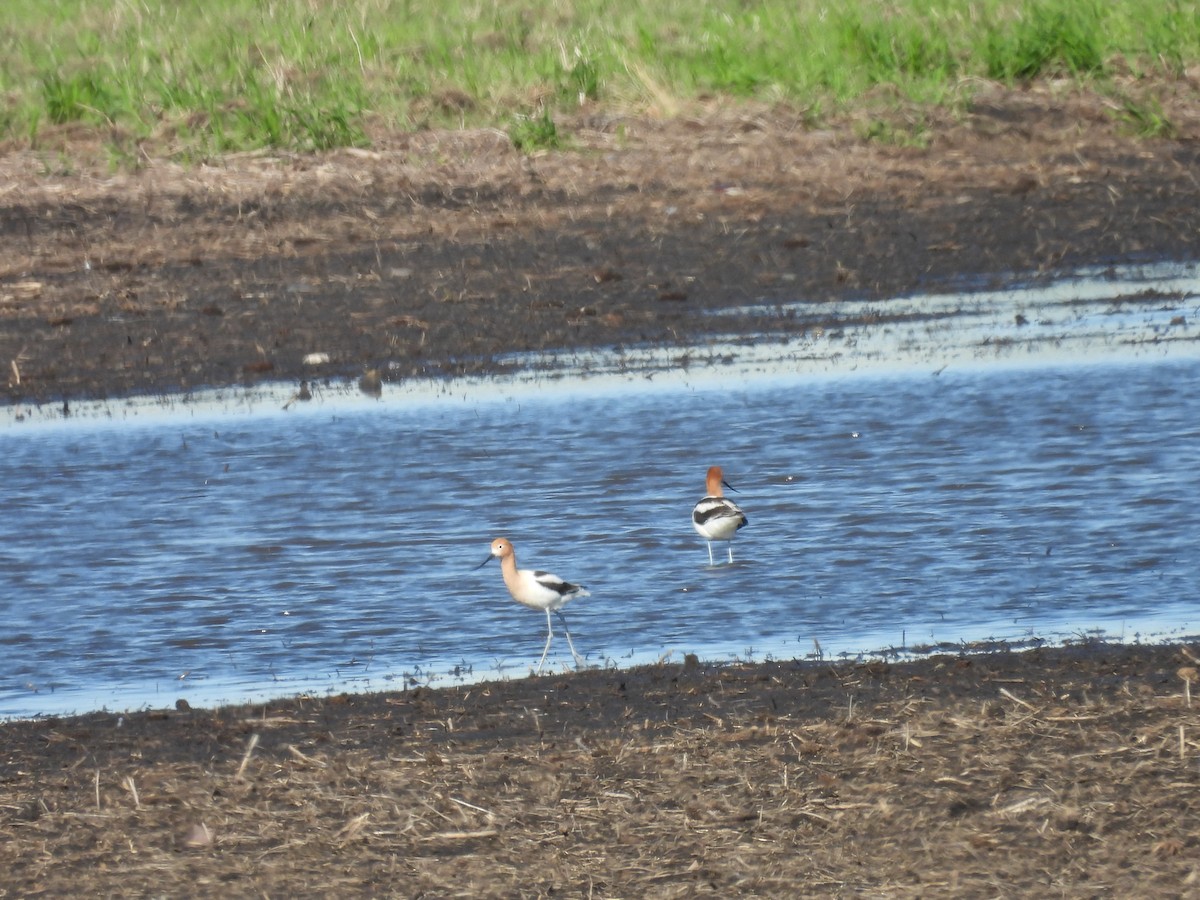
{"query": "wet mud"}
[(440, 253), (1071, 772)]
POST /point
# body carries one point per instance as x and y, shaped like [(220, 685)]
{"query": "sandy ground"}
[(1070, 772)]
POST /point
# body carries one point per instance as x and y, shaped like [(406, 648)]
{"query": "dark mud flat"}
[(436, 252), (1069, 772)]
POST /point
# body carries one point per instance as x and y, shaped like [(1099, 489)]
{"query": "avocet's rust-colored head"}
[(501, 548), (715, 480)]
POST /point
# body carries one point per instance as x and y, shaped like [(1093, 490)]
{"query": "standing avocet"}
[(716, 518), (537, 590)]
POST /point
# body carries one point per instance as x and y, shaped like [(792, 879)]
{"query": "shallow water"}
[(1002, 488)]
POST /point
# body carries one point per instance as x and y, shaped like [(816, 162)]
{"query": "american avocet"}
[(716, 518), (537, 590)]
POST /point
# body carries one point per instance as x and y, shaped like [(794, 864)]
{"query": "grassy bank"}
[(195, 79)]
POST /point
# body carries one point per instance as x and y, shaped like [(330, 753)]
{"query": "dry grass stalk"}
[(250, 745), (132, 788), (1015, 699), (1188, 674), (306, 760)]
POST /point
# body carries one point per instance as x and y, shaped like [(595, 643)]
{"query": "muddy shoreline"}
[(1070, 770), (437, 253)]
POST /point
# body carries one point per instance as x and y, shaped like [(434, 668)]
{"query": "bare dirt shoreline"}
[(1069, 772), (434, 253)]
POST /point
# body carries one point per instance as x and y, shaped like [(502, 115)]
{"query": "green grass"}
[(1145, 118), (191, 79), (530, 133), (1049, 39)]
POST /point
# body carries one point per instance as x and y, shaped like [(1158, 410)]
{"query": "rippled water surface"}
[(228, 550)]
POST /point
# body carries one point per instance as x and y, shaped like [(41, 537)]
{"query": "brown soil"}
[(1071, 772), (1065, 773), (435, 252)]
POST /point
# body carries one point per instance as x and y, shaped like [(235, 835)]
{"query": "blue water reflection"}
[(218, 557)]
